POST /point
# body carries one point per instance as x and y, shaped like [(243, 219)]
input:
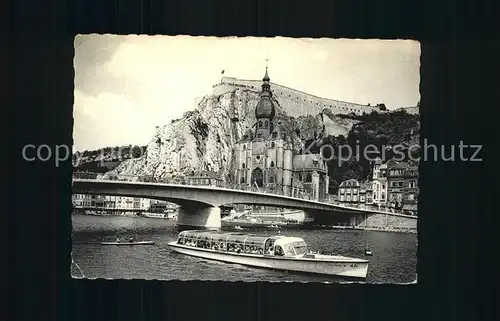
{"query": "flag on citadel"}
[(222, 72)]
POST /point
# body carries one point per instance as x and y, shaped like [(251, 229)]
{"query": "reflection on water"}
[(393, 261)]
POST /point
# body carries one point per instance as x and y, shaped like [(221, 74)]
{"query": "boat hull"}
[(341, 266), (129, 243)]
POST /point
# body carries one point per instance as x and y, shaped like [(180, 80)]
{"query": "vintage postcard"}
[(246, 159)]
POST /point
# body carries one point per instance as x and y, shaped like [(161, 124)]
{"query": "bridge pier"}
[(207, 217)]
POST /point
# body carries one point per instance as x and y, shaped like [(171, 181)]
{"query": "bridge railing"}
[(184, 182)]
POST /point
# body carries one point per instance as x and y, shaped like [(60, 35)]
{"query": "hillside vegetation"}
[(104, 159), (390, 133)]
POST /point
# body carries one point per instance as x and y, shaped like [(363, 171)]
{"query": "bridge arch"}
[(186, 201)]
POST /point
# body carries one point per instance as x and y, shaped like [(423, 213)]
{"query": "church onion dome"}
[(308, 162), (265, 108)]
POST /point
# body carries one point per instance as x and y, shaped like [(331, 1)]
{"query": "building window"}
[(266, 124), (260, 124), (271, 179), (242, 181), (272, 164), (244, 147), (243, 165), (259, 135), (275, 134), (258, 157), (272, 145), (308, 177)]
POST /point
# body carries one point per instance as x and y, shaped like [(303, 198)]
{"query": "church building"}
[(264, 157)]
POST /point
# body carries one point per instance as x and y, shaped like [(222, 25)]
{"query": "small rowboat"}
[(129, 243)]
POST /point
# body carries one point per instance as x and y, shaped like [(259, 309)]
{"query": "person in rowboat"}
[(131, 239), (118, 239)]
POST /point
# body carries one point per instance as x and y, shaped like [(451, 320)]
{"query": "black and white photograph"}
[(246, 159)]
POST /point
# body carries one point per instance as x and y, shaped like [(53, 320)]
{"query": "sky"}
[(125, 86)]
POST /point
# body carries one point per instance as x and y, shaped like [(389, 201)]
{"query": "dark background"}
[(458, 81)]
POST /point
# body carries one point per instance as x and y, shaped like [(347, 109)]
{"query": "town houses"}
[(393, 186)]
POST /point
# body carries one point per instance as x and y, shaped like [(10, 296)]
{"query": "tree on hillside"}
[(136, 152), (333, 186), (349, 175)]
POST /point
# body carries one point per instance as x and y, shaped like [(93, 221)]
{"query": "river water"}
[(394, 257)]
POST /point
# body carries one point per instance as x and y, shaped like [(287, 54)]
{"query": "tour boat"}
[(237, 227), (274, 252)]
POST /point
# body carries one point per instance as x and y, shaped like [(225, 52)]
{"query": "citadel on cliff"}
[(245, 132), (295, 102)]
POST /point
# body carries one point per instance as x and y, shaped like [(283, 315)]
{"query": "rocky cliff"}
[(203, 138)]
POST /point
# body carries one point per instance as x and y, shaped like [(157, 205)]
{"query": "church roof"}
[(266, 76)]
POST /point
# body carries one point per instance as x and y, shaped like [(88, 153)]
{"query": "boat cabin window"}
[(229, 242), (269, 247), (288, 249), (278, 251), (300, 248)]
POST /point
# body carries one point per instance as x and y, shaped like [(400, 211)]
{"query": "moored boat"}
[(274, 252)]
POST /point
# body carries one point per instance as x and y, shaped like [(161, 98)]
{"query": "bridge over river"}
[(199, 206)]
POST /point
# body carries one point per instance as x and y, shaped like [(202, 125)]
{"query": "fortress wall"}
[(294, 100), (411, 110)]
